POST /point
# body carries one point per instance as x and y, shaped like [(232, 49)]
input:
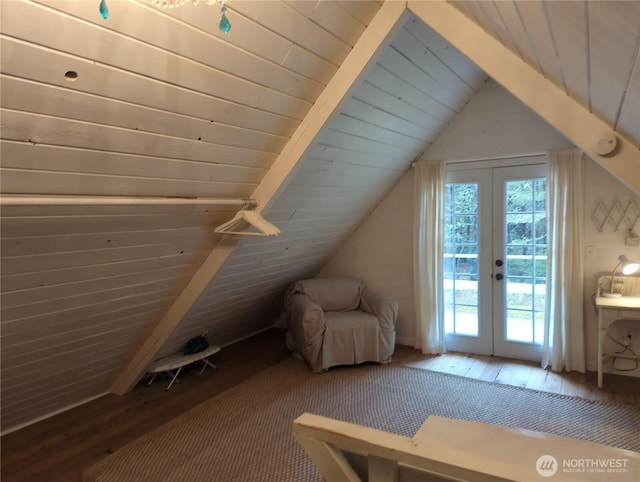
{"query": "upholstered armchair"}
[(339, 321)]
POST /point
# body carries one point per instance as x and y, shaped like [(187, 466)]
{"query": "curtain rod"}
[(62, 200), (495, 158)]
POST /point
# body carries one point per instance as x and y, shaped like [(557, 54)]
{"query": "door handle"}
[(499, 276), (499, 262)]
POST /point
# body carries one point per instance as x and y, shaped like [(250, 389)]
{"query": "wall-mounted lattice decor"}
[(616, 216)]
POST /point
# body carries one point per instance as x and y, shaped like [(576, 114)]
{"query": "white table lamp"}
[(628, 267)]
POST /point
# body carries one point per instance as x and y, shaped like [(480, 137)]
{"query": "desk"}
[(179, 360), (610, 310)]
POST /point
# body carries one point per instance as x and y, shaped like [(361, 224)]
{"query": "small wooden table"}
[(178, 361)]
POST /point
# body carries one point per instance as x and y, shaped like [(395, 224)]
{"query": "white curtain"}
[(427, 254), (563, 346)]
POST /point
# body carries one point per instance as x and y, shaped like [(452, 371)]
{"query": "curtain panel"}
[(564, 338), (429, 194)]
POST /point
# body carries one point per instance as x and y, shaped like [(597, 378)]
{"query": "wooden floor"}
[(62, 447), (617, 388)]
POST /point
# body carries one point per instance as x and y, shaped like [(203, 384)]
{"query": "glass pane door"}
[(465, 266), (461, 260), (495, 260), (521, 242)]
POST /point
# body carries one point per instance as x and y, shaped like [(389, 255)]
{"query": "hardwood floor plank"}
[(591, 391), (415, 360), (553, 382), (514, 373), (537, 379), (456, 363), (437, 363), (572, 384), (476, 367), (491, 369)]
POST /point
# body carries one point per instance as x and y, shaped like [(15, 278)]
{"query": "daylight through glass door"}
[(461, 264), (495, 260), (526, 259)]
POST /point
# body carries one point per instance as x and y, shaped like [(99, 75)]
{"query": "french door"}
[(495, 260)]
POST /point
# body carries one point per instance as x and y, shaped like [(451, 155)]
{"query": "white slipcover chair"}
[(339, 321)]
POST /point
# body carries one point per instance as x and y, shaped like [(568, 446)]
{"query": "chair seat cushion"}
[(350, 338), (349, 320)]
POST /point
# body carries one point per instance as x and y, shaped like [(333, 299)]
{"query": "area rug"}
[(244, 434)]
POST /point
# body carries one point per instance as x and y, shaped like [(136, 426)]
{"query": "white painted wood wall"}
[(606, 245)]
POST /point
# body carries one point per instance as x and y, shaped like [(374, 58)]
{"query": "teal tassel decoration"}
[(224, 25), (104, 10)]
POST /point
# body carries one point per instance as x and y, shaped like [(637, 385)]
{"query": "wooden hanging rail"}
[(61, 200)]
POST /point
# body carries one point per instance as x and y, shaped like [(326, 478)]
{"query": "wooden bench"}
[(178, 361), (449, 449)]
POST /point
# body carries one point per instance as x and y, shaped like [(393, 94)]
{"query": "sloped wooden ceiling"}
[(165, 105)]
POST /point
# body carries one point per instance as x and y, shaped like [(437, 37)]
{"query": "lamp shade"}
[(627, 266)]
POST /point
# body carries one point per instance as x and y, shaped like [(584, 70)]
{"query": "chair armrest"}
[(383, 307), (307, 327)]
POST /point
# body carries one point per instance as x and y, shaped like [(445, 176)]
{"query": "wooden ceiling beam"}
[(376, 37), (540, 94)]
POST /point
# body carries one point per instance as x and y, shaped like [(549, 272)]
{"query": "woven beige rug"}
[(244, 434)]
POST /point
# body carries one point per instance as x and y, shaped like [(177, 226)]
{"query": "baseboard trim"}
[(244, 337), (404, 340)]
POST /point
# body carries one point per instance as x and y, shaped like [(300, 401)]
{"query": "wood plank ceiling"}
[(590, 49), (165, 105)]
